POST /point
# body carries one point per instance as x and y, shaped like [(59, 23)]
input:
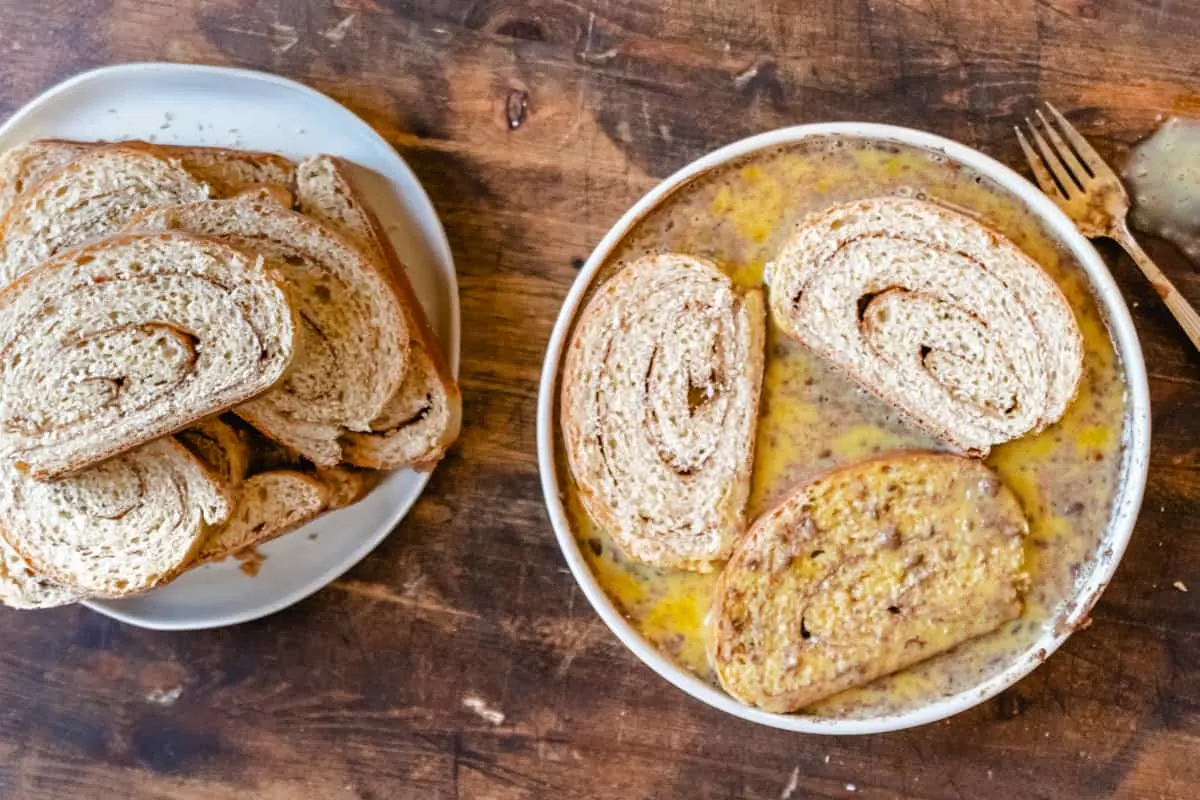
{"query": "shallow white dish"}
[(1112, 545), (199, 105)]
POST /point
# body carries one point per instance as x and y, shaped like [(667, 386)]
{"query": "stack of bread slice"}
[(200, 350), (868, 569)]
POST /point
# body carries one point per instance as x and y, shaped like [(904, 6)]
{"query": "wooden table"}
[(534, 125)]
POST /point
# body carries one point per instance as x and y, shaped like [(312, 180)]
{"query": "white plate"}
[(196, 105), (1133, 469)]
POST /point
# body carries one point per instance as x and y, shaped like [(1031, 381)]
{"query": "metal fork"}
[(1092, 195)]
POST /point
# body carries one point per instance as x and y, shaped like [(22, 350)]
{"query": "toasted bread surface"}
[(865, 571)]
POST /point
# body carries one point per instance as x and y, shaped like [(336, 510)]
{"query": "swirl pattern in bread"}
[(353, 336), (934, 313), (863, 572), (119, 528), (659, 400), (115, 343)]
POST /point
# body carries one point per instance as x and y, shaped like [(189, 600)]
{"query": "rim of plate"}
[(1134, 466), (439, 247)]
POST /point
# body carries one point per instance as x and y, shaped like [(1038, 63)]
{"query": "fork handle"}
[(1183, 312)]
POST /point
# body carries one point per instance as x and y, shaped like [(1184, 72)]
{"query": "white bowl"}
[(1134, 466)]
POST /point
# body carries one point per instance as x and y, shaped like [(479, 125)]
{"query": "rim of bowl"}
[(1135, 460)]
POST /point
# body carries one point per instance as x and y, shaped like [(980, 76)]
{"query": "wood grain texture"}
[(534, 125)]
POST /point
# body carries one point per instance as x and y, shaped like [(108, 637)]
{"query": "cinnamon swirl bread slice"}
[(227, 172), (265, 504), (269, 505), (123, 527), (91, 196), (863, 572), (115, 343), (659, 401), (422, 418), (934, 313), (353, 336)]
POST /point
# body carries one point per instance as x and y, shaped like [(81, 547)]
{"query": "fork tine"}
[(1088, 153), (1064, 151), (1056, 165), (1043, 176)]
